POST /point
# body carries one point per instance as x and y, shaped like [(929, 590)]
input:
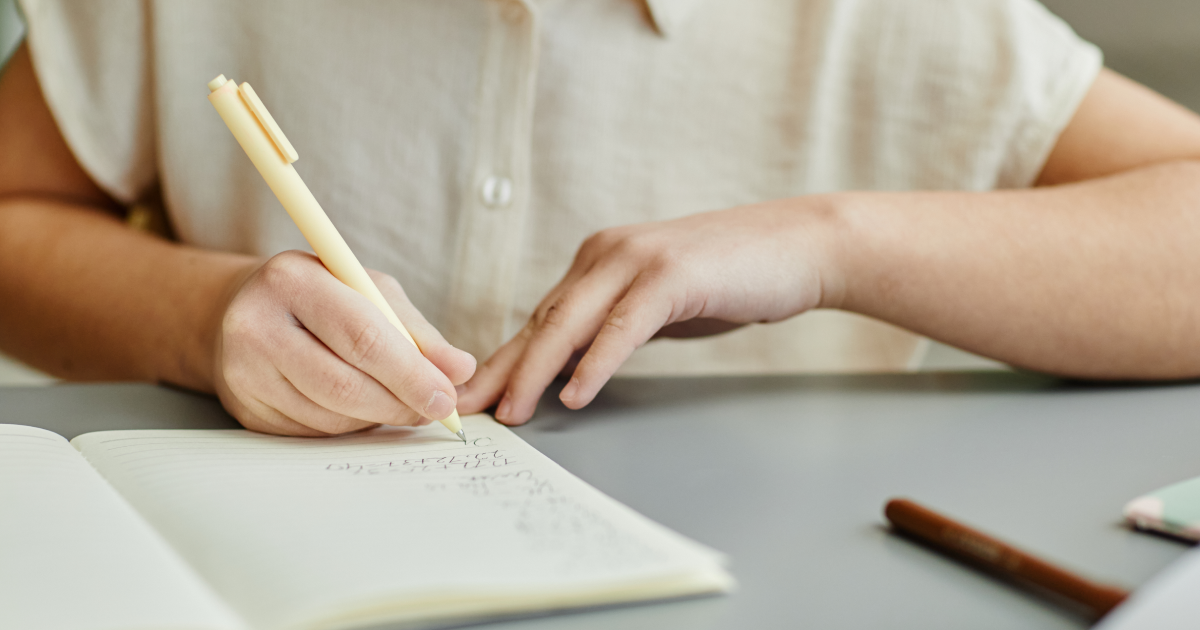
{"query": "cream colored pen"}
[(273, 155)]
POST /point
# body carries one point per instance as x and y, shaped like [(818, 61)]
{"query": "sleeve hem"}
[(55, 78), (1033, 147)]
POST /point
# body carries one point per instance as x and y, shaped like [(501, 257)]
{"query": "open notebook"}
[(203, 530)]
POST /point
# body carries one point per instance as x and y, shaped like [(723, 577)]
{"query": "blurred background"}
[(1156, 42)]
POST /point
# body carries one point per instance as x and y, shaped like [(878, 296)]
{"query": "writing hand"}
[(300, 353), (700, 274)]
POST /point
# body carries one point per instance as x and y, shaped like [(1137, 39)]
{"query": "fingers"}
[(456, 364), (643, 311), (301, 353), (488, 384), (566, 324), (486, 387), (291, 404), (358, 332), (330, 384), (257, 416), (241, 397)]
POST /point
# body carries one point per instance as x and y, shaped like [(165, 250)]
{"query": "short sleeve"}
[(1052, 71), (951, 94), (91, 59)]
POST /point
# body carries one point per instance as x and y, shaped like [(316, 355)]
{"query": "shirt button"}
[(496, 191)]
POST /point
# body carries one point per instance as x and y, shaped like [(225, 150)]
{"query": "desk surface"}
[(788, 475)]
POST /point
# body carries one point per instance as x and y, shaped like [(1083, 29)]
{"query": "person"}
[(867, 170)]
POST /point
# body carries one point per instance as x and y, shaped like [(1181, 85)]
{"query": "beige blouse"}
[(468, 146)]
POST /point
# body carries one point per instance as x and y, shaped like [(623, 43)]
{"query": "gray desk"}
[(788, 476)]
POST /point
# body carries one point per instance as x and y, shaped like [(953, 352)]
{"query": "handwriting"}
[(496, 458), (552, 522)]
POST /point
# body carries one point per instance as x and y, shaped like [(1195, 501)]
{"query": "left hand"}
[(700, 274)]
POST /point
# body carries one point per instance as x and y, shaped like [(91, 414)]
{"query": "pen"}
[(272, 154), (962, 542)]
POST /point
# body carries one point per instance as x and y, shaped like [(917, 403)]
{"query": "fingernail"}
[(570, 390), (504, 409), (439, 406)]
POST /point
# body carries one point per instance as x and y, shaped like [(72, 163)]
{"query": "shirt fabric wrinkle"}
[(469, 147)]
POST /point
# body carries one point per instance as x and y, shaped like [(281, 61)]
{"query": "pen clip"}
[(268, 123)]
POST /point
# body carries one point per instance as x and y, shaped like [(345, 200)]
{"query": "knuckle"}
[(555, 314), (366, 342), (603, 243), (664, 268), (346, 390), (598, 241), (239, 325), (618, 322), (281, 272), (672, 259), (646, 248)]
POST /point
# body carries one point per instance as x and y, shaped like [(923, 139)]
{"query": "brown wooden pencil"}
[(964, 542)]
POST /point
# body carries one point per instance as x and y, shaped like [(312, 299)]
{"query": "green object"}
[(1173, 510), (12, 30)]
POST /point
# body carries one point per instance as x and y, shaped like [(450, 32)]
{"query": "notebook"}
[(395, 527), (1167, 602)]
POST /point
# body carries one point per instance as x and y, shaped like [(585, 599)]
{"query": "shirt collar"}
[(669, 15)]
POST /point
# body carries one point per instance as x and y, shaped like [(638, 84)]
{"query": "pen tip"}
[(462, 436)]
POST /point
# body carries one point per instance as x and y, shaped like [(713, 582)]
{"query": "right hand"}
[(300, 353)]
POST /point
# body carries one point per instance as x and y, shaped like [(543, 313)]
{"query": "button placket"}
[(494, 212)]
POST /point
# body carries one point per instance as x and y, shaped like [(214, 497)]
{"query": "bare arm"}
[(84, 296), (1098, 279), (287, 347), (1096, 273)]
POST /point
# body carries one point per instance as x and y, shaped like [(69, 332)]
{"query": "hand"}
[(300, 353), (700, 274)]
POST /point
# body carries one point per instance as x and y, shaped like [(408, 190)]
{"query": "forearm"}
[(1099, 279), (85, 297)]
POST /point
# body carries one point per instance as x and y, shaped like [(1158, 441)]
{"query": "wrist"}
[(216, 281), (836, 245), (874, 255)]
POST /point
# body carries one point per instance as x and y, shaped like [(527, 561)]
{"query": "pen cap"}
[(216, 83), (264, 117)]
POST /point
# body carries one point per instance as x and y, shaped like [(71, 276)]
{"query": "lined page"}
[(392, 524), (73, 554)]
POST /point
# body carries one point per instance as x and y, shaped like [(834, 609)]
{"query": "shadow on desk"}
[(671, 392), (110, 407), (57, 407)]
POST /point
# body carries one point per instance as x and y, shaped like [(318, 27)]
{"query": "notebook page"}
[(73, 554), (1167, 602), (395, 523)]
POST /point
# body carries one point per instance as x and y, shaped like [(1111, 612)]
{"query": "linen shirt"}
[(467, 147)]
